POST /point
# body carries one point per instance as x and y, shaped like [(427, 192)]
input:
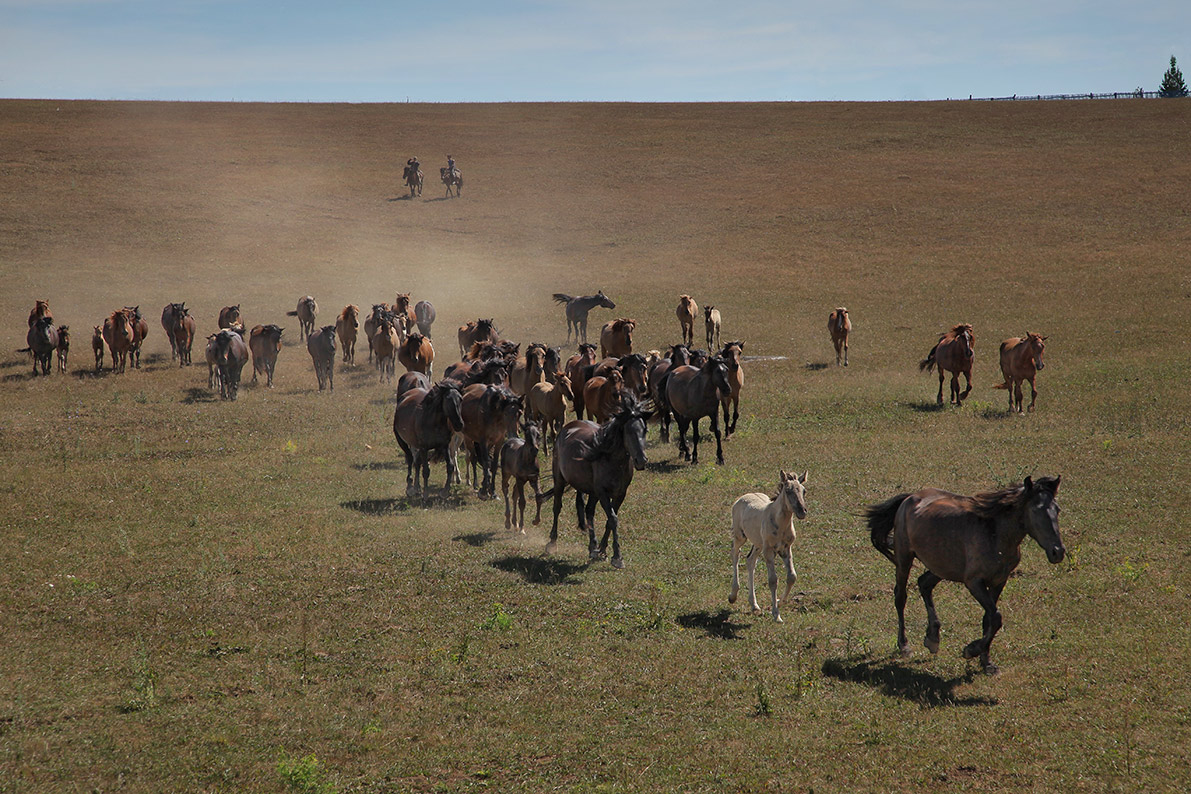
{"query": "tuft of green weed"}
[(144, 684), (499, 620), (306, 775), (764, 706)]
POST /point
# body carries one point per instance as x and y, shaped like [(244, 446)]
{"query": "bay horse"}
[(229, 316), (321, 347), (231, 354), (954, 352), (264, 342), (768, 524), (577, 308), (117, 332), (385, 342), (476, 331), (182, 335), (42, 339), (678, 356), (616, 337), (975, 540), (519, 463), (424, 423), (490, 415), (839, 325), (711, 324), (577, 369), (424, 315), (414, 178), (306, 312), (452, 178), (372, 323), (695, 392), (1021, 358), (732, 354), (598, 461), (63, 347), (602, 396), (41, 308), (687, 311), (347, 328), (417, 355), (412, 380), (140, 330), (97, 347), (168, 317)]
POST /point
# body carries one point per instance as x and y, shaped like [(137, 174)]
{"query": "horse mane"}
[(587, 347), (991, 505), (484, 371), (956, 330), (608, 434), (348, 308), (437, 393), (632, 359)]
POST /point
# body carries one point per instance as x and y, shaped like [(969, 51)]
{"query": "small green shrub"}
[(304, 775)]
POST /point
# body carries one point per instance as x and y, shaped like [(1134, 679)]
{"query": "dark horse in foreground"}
[(971, 539), (598, 462), (424, 423), (577, 308)]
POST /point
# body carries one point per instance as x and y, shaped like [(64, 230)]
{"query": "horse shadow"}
[(198, 394), (664, 466), (476, 539), (718, 625), (377, 507), (895, 678), (13, 362), (17, 376), (816, 366), (89, 373), (403, 197), (540, 570), (926, 407), (379, 465)]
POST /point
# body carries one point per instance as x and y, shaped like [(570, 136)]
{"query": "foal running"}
[(768, 524)]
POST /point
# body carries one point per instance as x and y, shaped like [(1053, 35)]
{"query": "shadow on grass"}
[(665, 466), (895, 678), (540, 570), (89, 373), (377, 507), (379, 465), (13, 362), (925, 407), (717, 625), (19, 376), (816, 366), (197, 394), (404, 197), (476, 539)]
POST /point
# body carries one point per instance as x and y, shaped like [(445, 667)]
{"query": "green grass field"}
[(199, 595)]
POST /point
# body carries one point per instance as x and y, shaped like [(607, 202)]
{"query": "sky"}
[(584, 50)]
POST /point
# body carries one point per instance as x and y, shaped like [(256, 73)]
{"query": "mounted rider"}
[(451, 170), (412, 166)]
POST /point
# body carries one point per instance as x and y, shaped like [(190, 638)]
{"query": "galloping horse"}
[(603, 395), (372, 323), (695, 392), (971, 539), (476, 331), (687, 311), (577, 308), (839, 326), (63, 347), (452, 179), (953, 352), (417, 355), (616, 337), (425, 315), (1021, 358), (42, 338), (182, 334), (598, 461), (679, 356), (406, 319), (519, 463), (140, 330), (424, 423), (385, 342), (490, 415), (231, 354), (306, 312), (546, 403), (768, 524), (229, 316), (117, 332), (321, 347), (711, 324), (732, 354), (347, 326), (577, 369), (41, 308)]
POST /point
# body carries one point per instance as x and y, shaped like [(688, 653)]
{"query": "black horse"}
[(598, 461), (577, 309), (424, 423)]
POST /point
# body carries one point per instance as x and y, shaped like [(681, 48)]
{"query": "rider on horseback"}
[(411, 168), (451, 166)]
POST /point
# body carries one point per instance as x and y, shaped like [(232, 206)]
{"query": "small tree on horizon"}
[(1172, 82)]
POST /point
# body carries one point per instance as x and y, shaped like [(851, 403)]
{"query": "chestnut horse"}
[(687, 311), (546, 403), (41, 308), (732, 354), (140, 330), (603, 396), (347, 327), (971, 539), (839, 325), (407, 321), (954, 352), (577, 309), (182, 334), (530, 369), (417, 355), (385, 342), (1021, 358), (117, 332), (490, 415), (616, 337)]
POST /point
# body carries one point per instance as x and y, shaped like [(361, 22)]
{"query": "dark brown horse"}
[(1021, 358), (678, 356), (616, 337), (577, 308), (839, 325), (229, 316), (598, 462), (490, 415), (493, 371), (321, 347), (424, 423), (732, 354), (169, 316), (63, 347), (578, 369), (417, 355), (602, 396), (954, 352), (411, 380), (476, 331), (231, 354), (182, 335), (264, 341), (519, 463), (372, 323), (425, 315), (42, 339), (971, 539), (694, 392)]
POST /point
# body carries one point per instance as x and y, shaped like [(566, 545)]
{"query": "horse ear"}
[(1029, 485), (802, 477), (1058, 480), (782, 477), (1045, 338)]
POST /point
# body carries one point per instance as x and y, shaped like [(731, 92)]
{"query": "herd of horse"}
[(504, 407)]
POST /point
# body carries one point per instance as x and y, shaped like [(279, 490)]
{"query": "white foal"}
[(768, 524)]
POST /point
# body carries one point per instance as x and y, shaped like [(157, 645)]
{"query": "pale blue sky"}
[(574, 50)]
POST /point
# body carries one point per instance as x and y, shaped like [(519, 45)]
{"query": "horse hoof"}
[(931, 645), (904, 650), (991, 669), (617, 562), (971, 650), (778, 618), (732, 598), (537, 521)]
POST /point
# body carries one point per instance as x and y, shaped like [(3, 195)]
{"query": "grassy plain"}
[(208, 596)]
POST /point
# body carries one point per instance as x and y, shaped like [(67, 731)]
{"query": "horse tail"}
[(1004, 385), (560, 486), (562, 297), (928, 363), (291, 314), (25, 350), (880, 523)]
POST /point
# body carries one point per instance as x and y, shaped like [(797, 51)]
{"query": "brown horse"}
[(490, 415), (42, 338), (231, 354), (264, 341), (452, 179), (321, 347), (347, 327), (616, 337), (519, 463), (603, 396), (954, 352), (424, 423), (694, 392), (97, 347), (411, 380), (372, 323), (425, 315), (63, 347), (839, 325), (407, 321), (687, 311), (182, 333), (306, 312), (140, 330), (732, 354), (971, 539), (384, 344), (711, 324), (530, 369), (117, 332), (417, 355), (168, 317), (476, 331), (546, 403), (1021, 358), (678, 356), (577, 369), (229, 316), (41, 308)]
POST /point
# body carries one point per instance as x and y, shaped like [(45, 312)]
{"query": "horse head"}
[(605, 301), (1042, 515), (731, 354), (1037, 346), (633, 418), (717, 370), (680, 355), (533, 436), (791, 489)]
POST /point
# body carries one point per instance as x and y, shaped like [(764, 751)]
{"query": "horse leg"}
[(611, 528), (926, 586), (791, 574), (719, 441), (683, 423), (1033, 393), (557, 492), (504, 489), (738, 540), (1018, 396), (987, 598), (750, 563), (519, 518), (771, 570), (695, 441), (968, 390), (537, 495), (941, 376), (899, 600), (736, 410)]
